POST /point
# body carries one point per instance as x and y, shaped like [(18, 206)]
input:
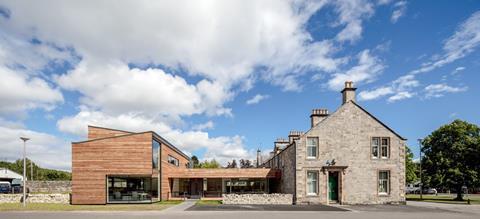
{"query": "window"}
[(375, 145), (312, 182), (155, 154), (383, 182), (380, 147), (312, 145), (172, 160), (385, 148)]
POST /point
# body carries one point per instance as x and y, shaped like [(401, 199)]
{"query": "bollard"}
[(468, 201)]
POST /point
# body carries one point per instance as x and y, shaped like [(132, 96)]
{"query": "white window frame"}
[(387, 148), (380, 181), (310, 146), (372, 146), (310, 181)]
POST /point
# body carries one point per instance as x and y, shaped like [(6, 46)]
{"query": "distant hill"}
[(42, 174)]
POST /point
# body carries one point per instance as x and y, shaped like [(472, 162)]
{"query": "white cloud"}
[(20, 92), (203, 126), (439, 90), (399, 88), (458, 69), (464, 41), (351, 14), (256, 99), (203, 38), (44, 149), (400, 96), (115, 88), (367, 70), (22, 55), (375, 94), (399, 10), (222, 148)]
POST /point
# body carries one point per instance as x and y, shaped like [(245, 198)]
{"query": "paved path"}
[(411, 210), (181, 207)]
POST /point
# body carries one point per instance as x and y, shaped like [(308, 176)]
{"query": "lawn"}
[(66, 207), (444, 198), (209, 202)]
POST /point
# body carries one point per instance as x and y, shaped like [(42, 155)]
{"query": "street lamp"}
[(24, 139), (421, 181)]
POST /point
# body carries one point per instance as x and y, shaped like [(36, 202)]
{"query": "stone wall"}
[(346, 137), (258, 199), (36, 198), (49, 186)]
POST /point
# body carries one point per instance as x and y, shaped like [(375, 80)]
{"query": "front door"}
[(196, 188), (333, 186)]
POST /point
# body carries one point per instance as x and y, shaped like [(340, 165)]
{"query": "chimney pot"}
[(317, 116), (348, 93)]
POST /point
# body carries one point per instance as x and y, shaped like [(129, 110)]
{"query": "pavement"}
[(411, 210), (265, 208)]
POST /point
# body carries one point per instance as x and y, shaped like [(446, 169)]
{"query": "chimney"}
[(318, 115), (294, 135), (348, 92)]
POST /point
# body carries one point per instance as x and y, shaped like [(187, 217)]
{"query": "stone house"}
[(347, 157)]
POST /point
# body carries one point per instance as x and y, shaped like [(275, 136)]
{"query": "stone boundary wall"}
[(36, 198), (49, 186), (257, 199)]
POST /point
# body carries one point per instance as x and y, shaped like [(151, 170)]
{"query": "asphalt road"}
[(413, 210)]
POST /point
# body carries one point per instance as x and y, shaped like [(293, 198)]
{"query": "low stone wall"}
[(257, 199), (49, 186), (36, 198)]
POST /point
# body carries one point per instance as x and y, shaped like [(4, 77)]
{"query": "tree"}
[(232, 164), (213, 164), (244, 163), (195, 162), (452, 157), (410, 167)]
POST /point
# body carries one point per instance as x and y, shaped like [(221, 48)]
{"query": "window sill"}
[(312, 195), (311, 158), (383, 195)]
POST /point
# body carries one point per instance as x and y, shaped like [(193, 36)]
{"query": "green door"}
[(333, 186)]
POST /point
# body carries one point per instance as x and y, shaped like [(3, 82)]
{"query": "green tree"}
[(195, 162), (38, 172), (410, 167), (213, 164), (232, 164), (452, 157), (244, 163)]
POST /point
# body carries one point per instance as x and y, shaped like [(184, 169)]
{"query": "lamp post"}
[(24, 139), (421, 181)]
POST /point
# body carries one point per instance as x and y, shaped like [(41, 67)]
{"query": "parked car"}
[(5, 187), (430, 191), (412, 190)]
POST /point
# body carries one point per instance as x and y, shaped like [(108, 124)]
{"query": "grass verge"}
[(474, 199), (209, 202), (66, 207)]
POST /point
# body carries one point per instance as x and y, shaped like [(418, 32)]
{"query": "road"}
[(413, 210)]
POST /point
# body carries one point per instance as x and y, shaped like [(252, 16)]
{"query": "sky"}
[(221, 79)]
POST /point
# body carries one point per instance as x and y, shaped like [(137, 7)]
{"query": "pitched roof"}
[(381, 123)]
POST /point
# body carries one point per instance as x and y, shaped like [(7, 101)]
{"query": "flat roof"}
[(225, 173)]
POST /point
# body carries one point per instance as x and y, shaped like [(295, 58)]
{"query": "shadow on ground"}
[(264, 208)]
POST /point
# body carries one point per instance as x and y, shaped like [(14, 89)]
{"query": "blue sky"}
[(221, 79)]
